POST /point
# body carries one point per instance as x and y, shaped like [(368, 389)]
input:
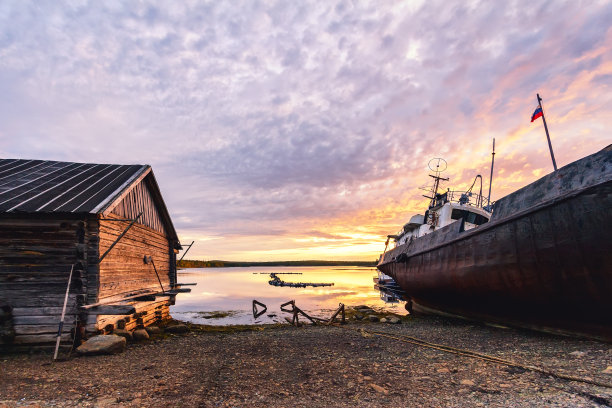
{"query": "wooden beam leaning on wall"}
[(120, 236)]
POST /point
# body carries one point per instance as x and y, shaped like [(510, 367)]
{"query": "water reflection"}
[(233, 290), (390, 291)]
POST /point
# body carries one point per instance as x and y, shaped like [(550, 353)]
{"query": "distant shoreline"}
[(186, 263)]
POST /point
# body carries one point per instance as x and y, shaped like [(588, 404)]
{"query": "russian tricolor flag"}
[(537, 113)]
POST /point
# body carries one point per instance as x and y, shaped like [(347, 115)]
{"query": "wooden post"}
[(157, 274), (61, 323), (340, 309), (552, 155)]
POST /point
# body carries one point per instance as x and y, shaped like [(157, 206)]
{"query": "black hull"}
[(544, 262)]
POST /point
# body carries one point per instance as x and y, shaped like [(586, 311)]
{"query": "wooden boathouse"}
[(106, 223)]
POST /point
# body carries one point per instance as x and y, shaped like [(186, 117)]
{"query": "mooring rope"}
[(478, 356)]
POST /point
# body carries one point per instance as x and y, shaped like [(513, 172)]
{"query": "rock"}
[(140, 334), (378, 388), (364, 309), (106, 402), (373, 318), (608, 370), (443, 370), (394, 320), (153, 330), (383, 320), (365, 334), (578, 353), (123, 333), (177, 328), (466, 382), (103, 344)]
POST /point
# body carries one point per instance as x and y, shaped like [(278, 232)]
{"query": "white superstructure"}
[(444, 209)]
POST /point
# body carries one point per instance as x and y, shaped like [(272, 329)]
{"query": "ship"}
[(538, 258)]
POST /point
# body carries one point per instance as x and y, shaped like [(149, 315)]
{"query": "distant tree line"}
[(188, 263)]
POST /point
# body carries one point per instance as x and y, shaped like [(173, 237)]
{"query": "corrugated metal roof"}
[(51, 186)]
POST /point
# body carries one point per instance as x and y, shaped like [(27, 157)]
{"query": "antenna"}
[(437, 165), (491, 178)]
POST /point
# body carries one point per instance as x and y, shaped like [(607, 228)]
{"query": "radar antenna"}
[(437, 165)]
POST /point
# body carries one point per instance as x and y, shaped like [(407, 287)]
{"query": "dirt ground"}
[(319, 366)]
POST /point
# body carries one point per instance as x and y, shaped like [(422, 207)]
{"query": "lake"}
[(232, 290)]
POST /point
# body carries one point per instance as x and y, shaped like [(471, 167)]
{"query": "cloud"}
[(270, 121)]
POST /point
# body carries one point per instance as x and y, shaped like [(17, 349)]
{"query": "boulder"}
[(123, 333), (394, 320), (140, 334), (383, 320), (153, 330), (373, 318), (364, 309), (103, 344), (177, 328)]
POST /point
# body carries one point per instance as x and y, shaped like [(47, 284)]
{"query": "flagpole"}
[(552, 155), (491, 178)]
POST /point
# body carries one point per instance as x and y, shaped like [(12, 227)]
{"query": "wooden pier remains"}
[(276, 281)]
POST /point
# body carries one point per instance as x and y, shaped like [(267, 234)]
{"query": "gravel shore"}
[(318, 366)]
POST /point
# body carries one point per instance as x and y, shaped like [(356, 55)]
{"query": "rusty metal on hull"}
[(545, 261)]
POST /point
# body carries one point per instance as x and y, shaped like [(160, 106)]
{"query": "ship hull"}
[(544, 264)]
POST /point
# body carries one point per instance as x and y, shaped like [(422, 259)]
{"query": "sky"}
[(290, 130)]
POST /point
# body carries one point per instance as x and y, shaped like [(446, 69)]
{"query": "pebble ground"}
[(317, 366)]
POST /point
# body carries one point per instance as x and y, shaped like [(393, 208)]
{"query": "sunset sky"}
[(302, 130)]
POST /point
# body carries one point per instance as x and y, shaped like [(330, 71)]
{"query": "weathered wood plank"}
[(40, 338), (34, 299), (71, 309), (43, 328), (111, 310), (38, 320)]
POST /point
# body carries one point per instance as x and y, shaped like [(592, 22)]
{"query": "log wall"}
[(123, 271), (36, 254)]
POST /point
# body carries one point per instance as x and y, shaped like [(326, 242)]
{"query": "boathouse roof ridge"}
[(46, 186)]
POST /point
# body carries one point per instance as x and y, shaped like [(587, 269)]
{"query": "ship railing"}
[(466, 198)]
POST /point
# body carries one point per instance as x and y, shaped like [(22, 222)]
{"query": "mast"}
[(434, 191), (491, 178), (552, 155)]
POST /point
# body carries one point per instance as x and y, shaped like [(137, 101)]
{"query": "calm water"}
[(233, 290)]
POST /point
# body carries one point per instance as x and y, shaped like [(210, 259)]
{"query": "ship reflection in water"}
[(224, 295), (390, 291)]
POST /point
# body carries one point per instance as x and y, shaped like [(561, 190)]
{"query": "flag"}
[(537, 113)]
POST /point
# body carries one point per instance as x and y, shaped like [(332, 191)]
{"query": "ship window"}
[(469, 216)]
